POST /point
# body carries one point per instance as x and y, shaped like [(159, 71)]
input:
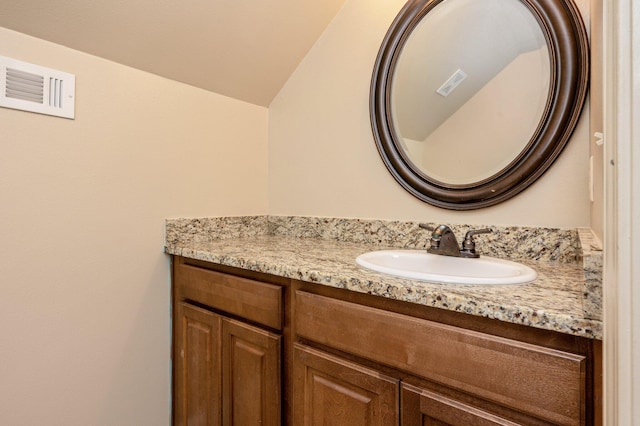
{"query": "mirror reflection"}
[(470, 89)]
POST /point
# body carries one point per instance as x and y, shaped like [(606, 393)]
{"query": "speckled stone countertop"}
[(323, 251)]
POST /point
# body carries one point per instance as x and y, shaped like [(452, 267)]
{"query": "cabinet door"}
[(251, 375), (330, 391), (421, 407), (198, 385)]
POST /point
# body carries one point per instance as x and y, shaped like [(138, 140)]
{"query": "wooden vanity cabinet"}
[(454, 369), (251, 348), (227, 349)]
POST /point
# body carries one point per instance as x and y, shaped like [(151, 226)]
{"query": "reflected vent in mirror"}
[(451, 83), (29, 87)]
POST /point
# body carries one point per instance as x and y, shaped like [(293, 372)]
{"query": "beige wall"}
[(84, 307), (323, 160)]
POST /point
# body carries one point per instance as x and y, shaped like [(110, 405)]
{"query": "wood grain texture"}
[(421, 407), (253, 300), (542, 382), (197, 358), (330, 391), (348, 350), (251, 374)]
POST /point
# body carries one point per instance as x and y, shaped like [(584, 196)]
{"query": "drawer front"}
[(545, 383), (253, 300)]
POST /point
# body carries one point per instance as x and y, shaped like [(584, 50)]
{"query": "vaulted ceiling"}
[(245, 49)]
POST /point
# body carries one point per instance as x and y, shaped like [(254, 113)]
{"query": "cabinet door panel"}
[(197, 359), (329, 391), (251, 375), (421, 407)]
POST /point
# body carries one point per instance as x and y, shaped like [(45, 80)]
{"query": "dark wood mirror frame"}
[(568, 47)]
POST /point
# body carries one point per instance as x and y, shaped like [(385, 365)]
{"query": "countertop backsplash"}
[(511, 242)]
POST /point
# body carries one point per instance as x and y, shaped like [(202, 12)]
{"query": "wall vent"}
[(451, 83), (30, 87)]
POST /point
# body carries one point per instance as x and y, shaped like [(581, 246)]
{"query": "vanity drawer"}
[(546, 383), (249, 299)]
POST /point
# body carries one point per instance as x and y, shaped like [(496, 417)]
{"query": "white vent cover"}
[(38, 89), (451, 83)]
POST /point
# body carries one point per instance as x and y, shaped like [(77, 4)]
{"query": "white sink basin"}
[(420, 265)]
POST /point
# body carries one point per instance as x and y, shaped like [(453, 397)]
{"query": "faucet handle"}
[(469, 244), (473, 232), (427, 227)]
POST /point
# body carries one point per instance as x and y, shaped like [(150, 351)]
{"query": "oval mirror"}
[(472, 101)]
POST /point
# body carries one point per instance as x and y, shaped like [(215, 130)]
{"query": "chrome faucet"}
[(444, 242)]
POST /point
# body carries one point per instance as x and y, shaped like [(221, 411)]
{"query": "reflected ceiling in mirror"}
[(457, 76), (471, 101)]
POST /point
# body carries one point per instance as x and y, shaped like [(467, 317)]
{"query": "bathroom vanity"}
[(273, 328), (275, 323)]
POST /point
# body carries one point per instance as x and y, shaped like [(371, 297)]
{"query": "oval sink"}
[(420, 265)]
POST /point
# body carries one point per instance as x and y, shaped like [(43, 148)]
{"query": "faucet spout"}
[(444, 242)]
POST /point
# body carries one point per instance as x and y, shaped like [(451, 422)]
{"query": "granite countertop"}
[(554, 301)]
